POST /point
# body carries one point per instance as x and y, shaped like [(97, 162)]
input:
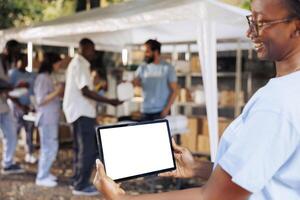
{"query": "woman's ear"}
[(297, 33), (297, 30)]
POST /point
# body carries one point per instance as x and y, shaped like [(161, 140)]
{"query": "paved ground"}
[(19, 187)]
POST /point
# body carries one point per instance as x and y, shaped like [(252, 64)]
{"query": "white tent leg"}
[(71, 51), (29, 56), (238, 81), (207, 43)]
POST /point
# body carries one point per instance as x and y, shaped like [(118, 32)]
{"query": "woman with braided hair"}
[(259, 153)]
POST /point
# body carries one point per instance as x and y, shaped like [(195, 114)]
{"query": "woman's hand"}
[(109, 189), (185, 163), (59, 89)]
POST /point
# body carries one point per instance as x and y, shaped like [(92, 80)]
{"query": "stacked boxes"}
[(195, 64), (197, 138), (203, 145), (106, 119), (189, 139), (227, 98)]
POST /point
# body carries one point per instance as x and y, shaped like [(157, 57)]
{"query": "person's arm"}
[(219, 186), (58, 91), (93, 95), (171, 99), (137, 77), (42, 90), (82, 77)]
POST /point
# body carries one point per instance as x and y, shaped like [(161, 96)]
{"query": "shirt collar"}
[(82, 60)]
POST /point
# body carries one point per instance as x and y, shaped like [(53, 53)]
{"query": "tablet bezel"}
[(100, 148)]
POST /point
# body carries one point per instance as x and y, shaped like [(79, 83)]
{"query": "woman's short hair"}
[(293, 6)]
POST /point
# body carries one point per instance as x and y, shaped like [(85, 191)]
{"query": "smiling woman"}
[(259, 153)]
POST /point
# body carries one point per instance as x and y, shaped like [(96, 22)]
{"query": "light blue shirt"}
[(16, 76), (49, 113), (155, 80), (261, 148)]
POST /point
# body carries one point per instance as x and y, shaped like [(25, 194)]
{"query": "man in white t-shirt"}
[(79, 106)]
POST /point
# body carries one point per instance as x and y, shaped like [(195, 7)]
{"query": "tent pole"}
[(29, 56), (238, 80), (71, 51)]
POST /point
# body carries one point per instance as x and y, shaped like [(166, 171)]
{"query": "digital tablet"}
[(136, 149)]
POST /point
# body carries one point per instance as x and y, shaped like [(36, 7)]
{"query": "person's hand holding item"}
[(185, 163), (115, 102), (109, 189), (165, 112), (23, 84)]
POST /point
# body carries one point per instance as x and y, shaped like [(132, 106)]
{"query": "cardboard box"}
[(195, 64), (182, 66), (227, 98), (189, 139), (223, 123), (197, 137), (203, 145), (184, 95), (106, 120), (137, 56)]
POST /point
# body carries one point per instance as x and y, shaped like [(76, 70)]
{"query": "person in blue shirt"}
[(22, 105), (159, 83), (7, 123), (259, 153)]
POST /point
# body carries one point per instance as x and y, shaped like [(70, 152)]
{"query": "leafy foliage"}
[(16, 13), (246, 4)]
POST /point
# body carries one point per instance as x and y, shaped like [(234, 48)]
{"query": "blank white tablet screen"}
[(134, 150)]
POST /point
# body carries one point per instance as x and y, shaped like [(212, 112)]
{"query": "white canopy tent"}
[(114, 27)]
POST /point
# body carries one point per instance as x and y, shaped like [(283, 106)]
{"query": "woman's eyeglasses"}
[(256, 26)]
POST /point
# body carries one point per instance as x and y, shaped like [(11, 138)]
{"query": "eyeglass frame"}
[(255, 27)]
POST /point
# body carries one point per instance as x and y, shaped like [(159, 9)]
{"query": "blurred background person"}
[(159, 83), (7, 123), (22, 105), (48, 112), (79, 106)]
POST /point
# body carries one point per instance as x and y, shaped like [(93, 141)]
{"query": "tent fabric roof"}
[(135, 21)]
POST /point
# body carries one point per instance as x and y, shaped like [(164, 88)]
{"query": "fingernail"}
[(98, 161)]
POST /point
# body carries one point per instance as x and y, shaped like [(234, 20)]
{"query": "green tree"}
[(18, 12), (58, 8), (241, 3), (246, 4)]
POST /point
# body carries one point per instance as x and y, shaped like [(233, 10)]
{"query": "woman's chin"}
[(261, 54)]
